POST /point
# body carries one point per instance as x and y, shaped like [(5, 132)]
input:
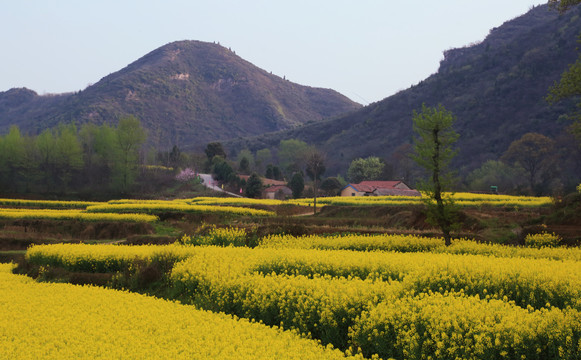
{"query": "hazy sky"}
[(366, 49)]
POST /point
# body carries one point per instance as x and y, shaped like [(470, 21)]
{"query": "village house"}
[(379, 188), (277, 192)]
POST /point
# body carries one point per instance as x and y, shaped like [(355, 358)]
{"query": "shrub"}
[(217, 236), (542, 240)]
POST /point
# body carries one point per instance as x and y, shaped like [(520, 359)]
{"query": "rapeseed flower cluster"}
[(48, 203), (542, 240), (177, 206), (216, 236), (233, 201), (455, 326), (418, 304), (52, 214), (461, 199), (415, 243), (105, 257), (62, 321)]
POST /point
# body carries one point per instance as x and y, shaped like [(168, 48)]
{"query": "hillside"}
[(186, 93), (496, 89)]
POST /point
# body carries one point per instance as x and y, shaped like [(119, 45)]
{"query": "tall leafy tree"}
[(69, 154), (433, 151), (46, 147), (253, 186), (533, 152), (130, 136), (315, 168), (215, 149), (370, 168), (263, 157), (13, 154), (297, 185), (292, 154)]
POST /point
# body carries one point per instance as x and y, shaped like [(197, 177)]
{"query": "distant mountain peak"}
[(186, 93)]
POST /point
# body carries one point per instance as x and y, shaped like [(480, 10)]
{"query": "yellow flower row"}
[(461, 199), (440, 326), (217, 236), (322, 293), (233, 201), (414, 243), (62, 321), (48, 203), (300, 288), (402, 243), (51, 214), (528, 282), (104, 257), (154, 207)]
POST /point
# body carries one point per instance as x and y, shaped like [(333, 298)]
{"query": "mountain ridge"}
[(186, 93), (496, 88)]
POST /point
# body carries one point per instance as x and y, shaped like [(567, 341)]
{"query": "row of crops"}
[(486, 302), (62, 321), (146, 210)]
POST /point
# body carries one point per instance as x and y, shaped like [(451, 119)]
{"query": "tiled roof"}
[(276, 188), (380, 184)]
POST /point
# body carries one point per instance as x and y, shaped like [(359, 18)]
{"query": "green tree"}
[(13, 154), (533, 153), (331, 186), (253, 186), (315, 168), (263, 157), (130, 136), (292, 154), (245, 158), (370, 168), (213, 149), (433, 152), (69, 154), (297, 185), (496, 173)]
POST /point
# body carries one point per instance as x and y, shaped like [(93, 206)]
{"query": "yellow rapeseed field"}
[(62, 321), (462, 199), (158, 206), (53, 214), (373, 301)]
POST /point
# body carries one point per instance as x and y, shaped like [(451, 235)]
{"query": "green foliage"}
[(532, 152), (434, 151), (297, 185), (254, 186), (245, 160), (370, 168), (211, 235), (331, 186), (129, 138), (215, 149), (542, 240), (292, 154), (263, 157), (495, 173)]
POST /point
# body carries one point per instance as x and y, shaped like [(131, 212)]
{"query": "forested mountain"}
[(496, 89), (186, 93)]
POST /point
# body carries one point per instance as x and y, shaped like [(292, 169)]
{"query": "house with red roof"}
[(379, 188)]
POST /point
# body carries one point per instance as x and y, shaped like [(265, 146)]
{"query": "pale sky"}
[(365, 49)]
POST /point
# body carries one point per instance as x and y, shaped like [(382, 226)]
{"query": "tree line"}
[(71, 159)]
